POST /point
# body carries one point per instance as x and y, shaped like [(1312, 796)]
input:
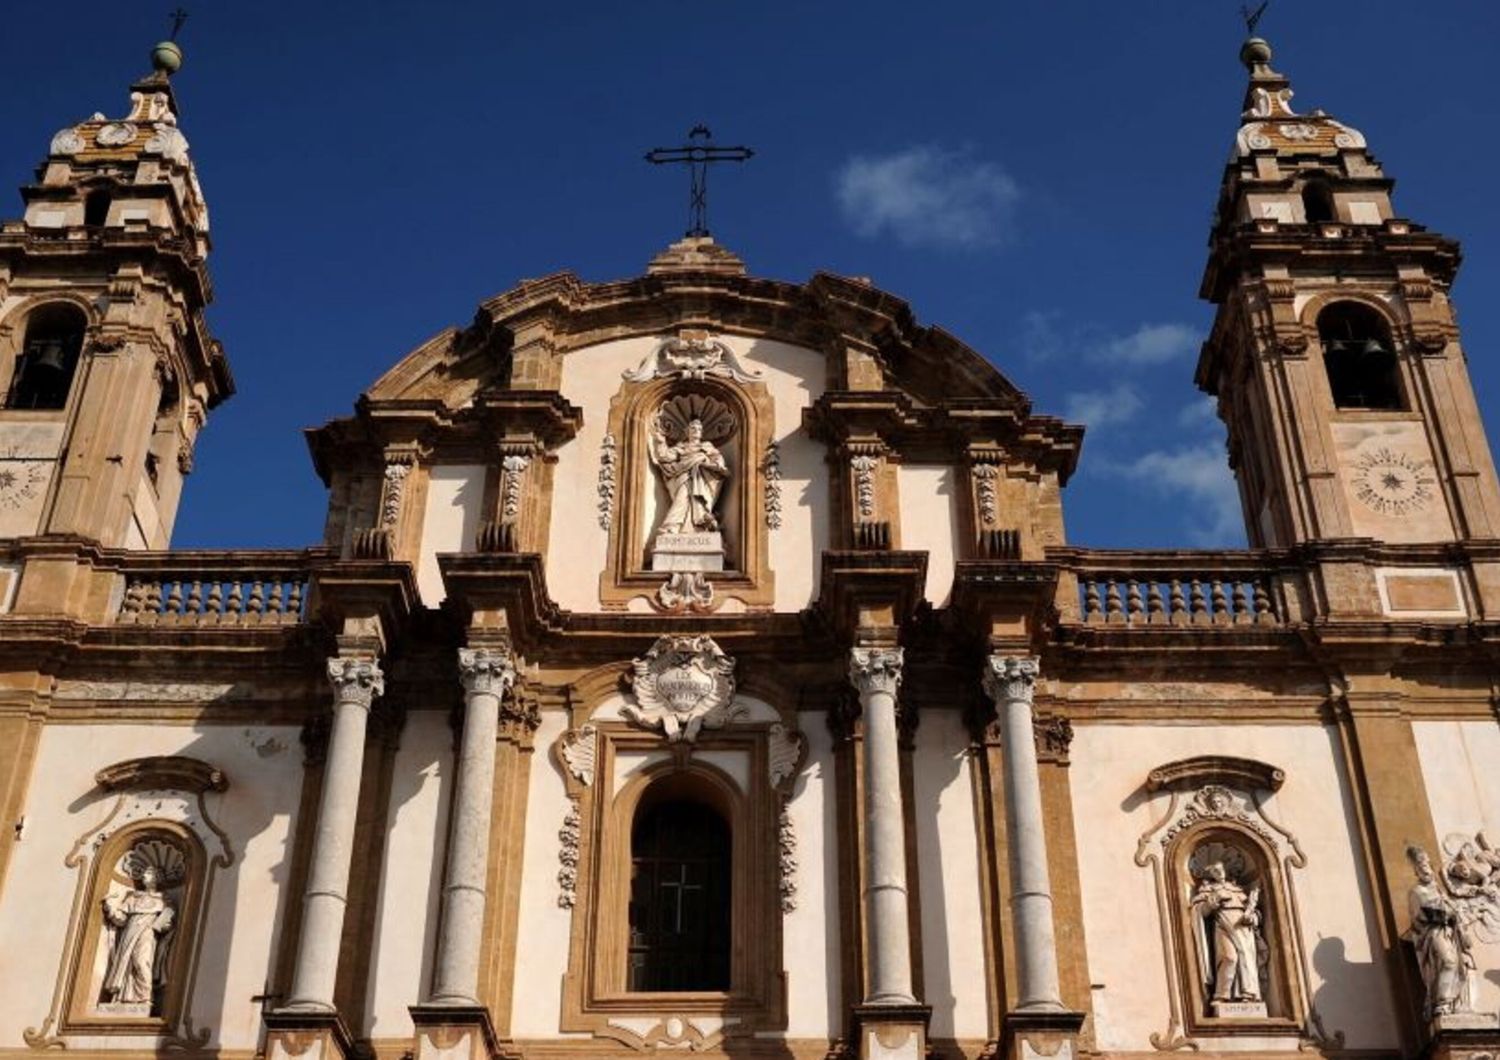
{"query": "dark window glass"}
[(679, 899), (49, 357), (1361, 362)]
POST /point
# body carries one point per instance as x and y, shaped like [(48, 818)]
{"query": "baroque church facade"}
[(696, 663)]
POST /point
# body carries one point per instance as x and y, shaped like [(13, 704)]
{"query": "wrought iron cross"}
[(698, 153), (178, 18), (1252, 18)]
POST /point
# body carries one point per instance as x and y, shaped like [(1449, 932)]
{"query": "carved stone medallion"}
[(682, 685)]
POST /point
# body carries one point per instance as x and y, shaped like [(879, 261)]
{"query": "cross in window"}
[(680, 887)]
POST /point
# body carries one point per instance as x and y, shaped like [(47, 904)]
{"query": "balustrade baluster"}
[(1155, 613), (215, 597), (1263, 612), (1241, 603), (135, 598), (1177, 605), (257, 597), (174, 599), (1113, 611), (1133, 606), (1198, 602), (195, 598), (1218, 602), (294, 605), (236, 599), (276, 604), (153, 597), (1091, 601)]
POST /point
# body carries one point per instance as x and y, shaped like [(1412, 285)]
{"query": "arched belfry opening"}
[(680, 891), (1360, 358), (1317, 202), (48, 359)]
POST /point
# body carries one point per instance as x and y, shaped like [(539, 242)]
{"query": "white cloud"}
[(1101, 408), (1198, 475), (1200, 412), (1045, 336), (1150, 344), (926, 196)]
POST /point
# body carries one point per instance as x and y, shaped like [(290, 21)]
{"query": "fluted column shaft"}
[(486, 676), (876, 674), (1011, 683), (356, 682)]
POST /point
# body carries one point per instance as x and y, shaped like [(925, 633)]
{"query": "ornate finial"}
[(1255, 53), (166, 57)]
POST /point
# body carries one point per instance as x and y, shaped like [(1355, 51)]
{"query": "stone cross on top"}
[(698, 153)]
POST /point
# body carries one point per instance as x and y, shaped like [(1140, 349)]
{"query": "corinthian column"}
[(486, 676), (356, 682), (876, 674), (1011, 683)]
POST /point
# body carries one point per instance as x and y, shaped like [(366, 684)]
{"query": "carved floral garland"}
[(771, 470), (864, 483), (607, 457), (989, 507)]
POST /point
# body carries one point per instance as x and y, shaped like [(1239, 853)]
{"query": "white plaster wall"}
[(590, 379), (929, 522), (455, 493), (948, 878), (244, 908), (1111, 811), (411, 877), (811, 945), (542, 934), (1459, 767)]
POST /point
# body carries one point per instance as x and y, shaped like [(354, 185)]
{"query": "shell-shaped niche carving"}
[(680, 410)]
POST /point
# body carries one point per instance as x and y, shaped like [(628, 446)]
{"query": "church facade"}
[(696, 663)]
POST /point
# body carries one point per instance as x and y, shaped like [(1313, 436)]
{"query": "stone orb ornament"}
[(167, 57), (1255, 52)]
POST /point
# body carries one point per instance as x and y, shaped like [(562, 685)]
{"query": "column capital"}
[(356, 681), (875, 670), (486, 671), (1008, 678)]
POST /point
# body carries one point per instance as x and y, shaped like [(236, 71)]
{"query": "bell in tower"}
[(1334, 354)]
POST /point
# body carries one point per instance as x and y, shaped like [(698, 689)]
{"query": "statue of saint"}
[(140, 923), (693, 471), (1440, 939), (1228, 917)]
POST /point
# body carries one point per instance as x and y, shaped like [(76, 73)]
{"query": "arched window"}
[(48, 358), (679, 896), (1317, 202), (1360, 358), (96, 209)]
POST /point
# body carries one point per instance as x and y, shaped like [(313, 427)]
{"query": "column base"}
[(1030, 1035), (891, 1032), (1463, 1036), (307, 1035), (456, 1032)]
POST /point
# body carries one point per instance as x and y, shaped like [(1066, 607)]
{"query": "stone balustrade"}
[(194, 589), (1140, 588)]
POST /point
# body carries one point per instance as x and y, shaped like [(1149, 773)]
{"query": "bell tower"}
[(107, 367), (1335, 356)]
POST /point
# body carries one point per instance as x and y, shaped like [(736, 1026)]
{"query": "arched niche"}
[(744, 406)]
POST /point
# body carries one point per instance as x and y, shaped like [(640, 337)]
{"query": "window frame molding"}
[(595, 997)]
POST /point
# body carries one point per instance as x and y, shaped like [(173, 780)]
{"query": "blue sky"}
[(1037, 177)]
